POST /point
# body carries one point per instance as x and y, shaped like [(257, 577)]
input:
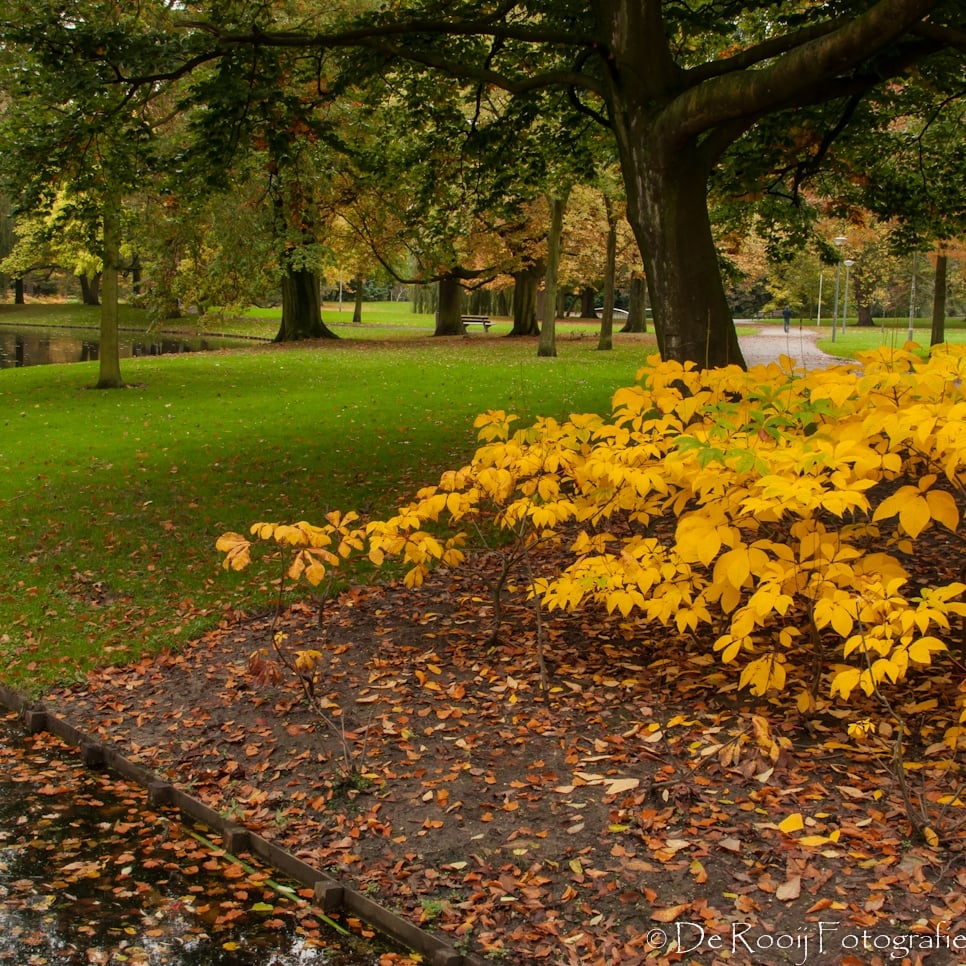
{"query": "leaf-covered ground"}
[(90, 874), (644, 810)]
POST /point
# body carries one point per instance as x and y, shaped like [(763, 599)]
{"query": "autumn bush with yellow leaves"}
[(772, 513)]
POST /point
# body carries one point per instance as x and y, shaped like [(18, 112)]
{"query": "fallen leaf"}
[(789, 890), (670, 913), (618, 786), (793, 823)]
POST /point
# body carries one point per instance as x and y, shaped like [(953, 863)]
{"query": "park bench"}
[(483, 320)]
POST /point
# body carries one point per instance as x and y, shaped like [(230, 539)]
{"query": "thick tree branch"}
[(760, 53), (176, 73), (494, 26), (798, 76), (381, 38), (563, 77), (946, 36)]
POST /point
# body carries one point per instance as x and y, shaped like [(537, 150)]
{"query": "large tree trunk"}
[(588, 299), (526, 282), (449, 314), (938, 334), (547, 347), (109, 353), (672, 127), (668, 210), (301, 308)]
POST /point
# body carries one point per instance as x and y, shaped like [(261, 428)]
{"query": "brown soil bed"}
[(634, 805)]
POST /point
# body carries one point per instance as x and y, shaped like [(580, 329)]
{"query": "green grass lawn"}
[(68, 315), (381, 321), (886, 332), (384, 320), (113, 500)]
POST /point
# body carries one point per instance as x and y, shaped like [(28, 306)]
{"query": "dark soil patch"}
[(634, 805)]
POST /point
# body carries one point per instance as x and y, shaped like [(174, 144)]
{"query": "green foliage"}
[(449, 112)]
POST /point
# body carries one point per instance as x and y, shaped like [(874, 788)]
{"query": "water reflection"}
[(89, 874), (41, 347)]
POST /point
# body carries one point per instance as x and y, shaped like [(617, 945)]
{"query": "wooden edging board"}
[(332, 895)]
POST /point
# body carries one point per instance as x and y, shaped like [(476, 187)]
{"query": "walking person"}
[(787, 316)]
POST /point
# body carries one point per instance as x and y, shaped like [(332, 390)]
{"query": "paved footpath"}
[(772, 341)]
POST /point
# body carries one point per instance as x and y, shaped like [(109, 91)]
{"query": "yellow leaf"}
[(794, 823), (942, 507), (761, 674), (307, 660), (698, 538), (236, 549), (229, 540), (932, 839), (453, 504), (845, 682), (859, 730), (914, 516), (921, 651), (812, 841), (315, 572), (734, 566), (842, 621)]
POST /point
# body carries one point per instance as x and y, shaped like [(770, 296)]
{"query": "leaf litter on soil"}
[(89, 873), (644, 810)]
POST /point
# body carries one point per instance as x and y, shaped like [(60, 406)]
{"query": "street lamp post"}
[(845, 300), (839, 242)]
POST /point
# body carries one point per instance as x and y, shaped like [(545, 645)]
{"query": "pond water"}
[(39, 346), (89, 874)]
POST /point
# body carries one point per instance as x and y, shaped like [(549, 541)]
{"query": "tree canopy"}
[(681, 89)]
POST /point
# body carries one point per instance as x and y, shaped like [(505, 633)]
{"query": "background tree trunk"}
[(301, 309), (109, 354), (863, 302), (357, 307), (864, 317), (90, 289), (526, 282), (938, 334), (547, 346), (637, 307), (450, 310), (606, 340)]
